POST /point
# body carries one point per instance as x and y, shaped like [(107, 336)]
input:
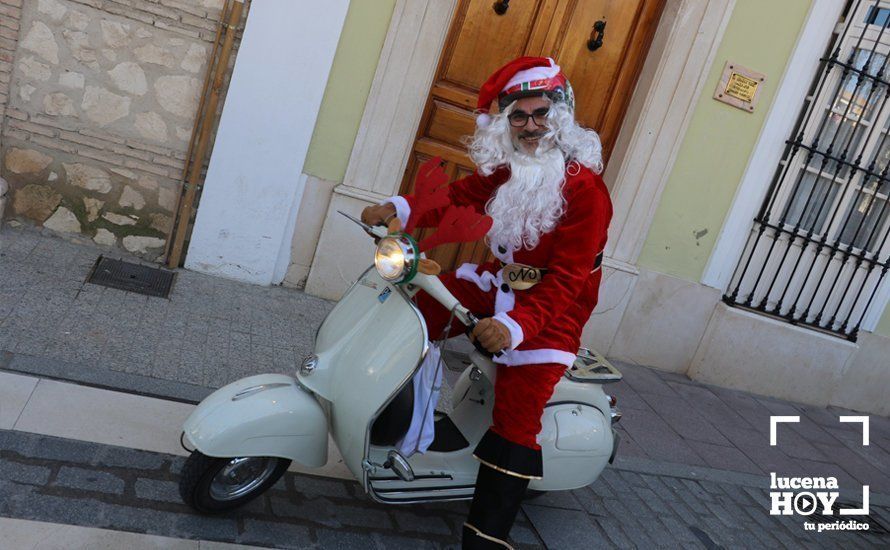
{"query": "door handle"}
[(596, 35)]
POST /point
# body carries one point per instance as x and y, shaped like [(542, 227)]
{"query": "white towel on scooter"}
[(427, 385)]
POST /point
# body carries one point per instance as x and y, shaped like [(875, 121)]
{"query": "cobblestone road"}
[(65, 481)]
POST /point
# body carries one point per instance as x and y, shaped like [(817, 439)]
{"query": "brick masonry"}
[(59, 480)]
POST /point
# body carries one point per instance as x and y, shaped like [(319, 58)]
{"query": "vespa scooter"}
[(357, 387)]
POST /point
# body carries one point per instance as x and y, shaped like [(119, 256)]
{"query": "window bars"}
[(818, 250)]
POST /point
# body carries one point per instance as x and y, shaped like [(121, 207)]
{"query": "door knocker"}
[(596, 35), (501, 6)]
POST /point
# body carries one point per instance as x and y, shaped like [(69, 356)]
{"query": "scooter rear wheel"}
[(212, 485)]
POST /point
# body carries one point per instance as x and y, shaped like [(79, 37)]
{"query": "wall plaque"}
[(739, 87)]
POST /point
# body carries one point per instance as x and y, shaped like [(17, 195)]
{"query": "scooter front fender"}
[(263, 415)]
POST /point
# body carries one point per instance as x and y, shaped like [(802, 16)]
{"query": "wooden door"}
[(480, 41)]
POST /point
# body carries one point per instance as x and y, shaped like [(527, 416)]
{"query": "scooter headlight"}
[(396, 258)]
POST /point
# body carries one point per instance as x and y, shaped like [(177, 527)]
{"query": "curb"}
[(102, 378)]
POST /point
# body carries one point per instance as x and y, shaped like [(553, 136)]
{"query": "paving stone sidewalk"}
[(64, 481), (211, 331)]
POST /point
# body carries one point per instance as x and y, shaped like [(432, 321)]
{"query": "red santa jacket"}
[(546, 320)]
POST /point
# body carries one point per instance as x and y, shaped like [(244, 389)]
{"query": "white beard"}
[(530, 203)]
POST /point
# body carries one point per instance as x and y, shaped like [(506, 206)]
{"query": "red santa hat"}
[(523, 77)]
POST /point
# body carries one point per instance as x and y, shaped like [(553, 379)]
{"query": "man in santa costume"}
[(537, 176)]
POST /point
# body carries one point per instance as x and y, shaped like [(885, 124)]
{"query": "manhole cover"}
[(151, 281)]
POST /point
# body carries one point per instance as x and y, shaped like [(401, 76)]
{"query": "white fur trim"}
[(535, 357), (503, 301), (467, 272), (403, 209), (516, 335), (535, 73), (483, 120)]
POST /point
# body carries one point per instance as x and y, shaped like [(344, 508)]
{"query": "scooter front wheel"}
[(212, 485)]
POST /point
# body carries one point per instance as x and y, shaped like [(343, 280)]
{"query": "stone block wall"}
[(10, 17), (100, 98)]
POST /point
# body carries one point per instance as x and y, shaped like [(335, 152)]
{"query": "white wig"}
[(492, 145)]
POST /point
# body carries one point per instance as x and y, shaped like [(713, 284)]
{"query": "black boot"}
[(495, 505), (503, 477)]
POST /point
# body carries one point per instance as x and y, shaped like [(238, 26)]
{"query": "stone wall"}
[(10, 16), (100, 98)]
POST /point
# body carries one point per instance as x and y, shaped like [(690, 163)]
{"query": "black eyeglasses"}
[(518, 119)]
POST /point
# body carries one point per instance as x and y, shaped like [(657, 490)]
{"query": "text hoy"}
[(800, 500)]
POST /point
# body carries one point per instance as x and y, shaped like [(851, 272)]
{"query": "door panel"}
[(593, 73), (448, 123), (480, 41), (604, 79)]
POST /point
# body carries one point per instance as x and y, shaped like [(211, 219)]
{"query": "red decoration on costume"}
[(430, 190), (460, 224)]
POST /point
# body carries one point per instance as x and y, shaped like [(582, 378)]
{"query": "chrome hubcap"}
[(241, 476)]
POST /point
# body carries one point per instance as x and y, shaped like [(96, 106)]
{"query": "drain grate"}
[(142, 279)]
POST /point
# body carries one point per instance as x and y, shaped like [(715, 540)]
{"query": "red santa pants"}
[(521, 391)]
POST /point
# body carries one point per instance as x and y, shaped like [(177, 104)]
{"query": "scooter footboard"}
[(264, 415)]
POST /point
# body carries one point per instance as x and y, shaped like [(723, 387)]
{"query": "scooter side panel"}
[(580, 392), (368, 348), (281, 419), (576, 441)]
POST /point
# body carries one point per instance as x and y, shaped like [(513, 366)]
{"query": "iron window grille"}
[(818, 250)]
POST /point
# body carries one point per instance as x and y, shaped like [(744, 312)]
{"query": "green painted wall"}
[(347, 89), (712, 158)]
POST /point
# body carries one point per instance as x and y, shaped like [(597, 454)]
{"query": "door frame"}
[(656, 120)]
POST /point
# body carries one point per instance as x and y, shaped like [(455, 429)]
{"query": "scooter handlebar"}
[(477, 345), (378, 232)]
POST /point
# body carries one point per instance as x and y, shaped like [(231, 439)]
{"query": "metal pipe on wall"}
[(216, 71)]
